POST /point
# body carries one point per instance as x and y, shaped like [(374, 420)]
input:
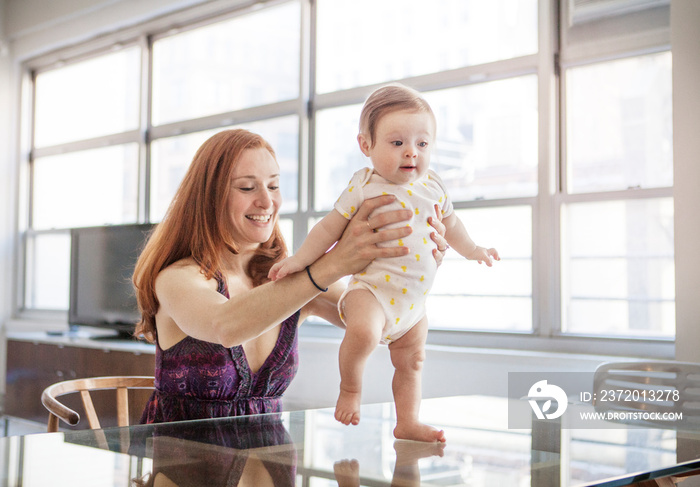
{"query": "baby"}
[(386, 301)]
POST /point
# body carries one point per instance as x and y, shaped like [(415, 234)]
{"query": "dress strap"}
[(223, 286)]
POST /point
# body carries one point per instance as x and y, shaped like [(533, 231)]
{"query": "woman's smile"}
[(259, 218)]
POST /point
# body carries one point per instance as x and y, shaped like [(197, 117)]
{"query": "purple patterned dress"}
[(198, 380)]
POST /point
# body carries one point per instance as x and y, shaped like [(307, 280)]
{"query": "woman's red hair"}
[(197, 224)]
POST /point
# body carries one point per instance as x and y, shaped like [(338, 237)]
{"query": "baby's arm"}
[(458, 238), (321, 237)]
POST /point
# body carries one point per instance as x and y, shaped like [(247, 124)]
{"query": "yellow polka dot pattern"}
[(402, 284)]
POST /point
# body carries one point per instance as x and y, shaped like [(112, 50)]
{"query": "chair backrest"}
[(654, 387), (84, 386)]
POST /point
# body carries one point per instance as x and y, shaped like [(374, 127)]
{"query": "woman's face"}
[(255, 197)]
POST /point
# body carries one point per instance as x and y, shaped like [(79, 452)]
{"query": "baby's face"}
[(401, 151)]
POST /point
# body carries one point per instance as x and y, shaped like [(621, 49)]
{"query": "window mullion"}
[(225, 119), (146, 101), (545, 241), (132, 136)]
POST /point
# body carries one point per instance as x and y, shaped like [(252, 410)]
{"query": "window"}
[(617, 212), (618, 274), (171, 156), (470, 296), (92, 98), (487, 138), (554, 139), (619, 124), (84, 166), (408, 38), (249, 60), (47, 271), (86, 188)]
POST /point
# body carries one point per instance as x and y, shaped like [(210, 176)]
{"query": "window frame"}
[(555, 54), (580, 45)]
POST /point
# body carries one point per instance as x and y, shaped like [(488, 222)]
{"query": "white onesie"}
[(400, 284)]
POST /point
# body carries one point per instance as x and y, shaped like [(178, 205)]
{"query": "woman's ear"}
[(364, 142)]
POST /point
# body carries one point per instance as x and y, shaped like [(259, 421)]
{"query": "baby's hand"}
[(481, 254), (290, 265)]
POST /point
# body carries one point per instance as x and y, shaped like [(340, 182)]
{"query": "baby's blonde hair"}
[(389, 99)]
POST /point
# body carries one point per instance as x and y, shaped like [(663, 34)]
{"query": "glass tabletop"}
[(310, 448)]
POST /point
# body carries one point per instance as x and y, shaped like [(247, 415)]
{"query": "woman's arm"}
[(321, 237), (325, 306), (192, 302)]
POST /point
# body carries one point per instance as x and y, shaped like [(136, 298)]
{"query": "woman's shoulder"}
[(181, 267), (183, 271)]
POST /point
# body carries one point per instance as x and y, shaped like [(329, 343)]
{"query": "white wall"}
[(39, 26), (7, 179), (685, 44), (448, 371)]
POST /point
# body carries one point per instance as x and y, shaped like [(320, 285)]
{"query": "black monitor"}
[(102, 263)]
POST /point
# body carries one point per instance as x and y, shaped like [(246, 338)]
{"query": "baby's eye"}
[(397, 143), (422, 144)]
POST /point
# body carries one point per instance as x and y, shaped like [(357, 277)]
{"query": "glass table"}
[(310, 448)]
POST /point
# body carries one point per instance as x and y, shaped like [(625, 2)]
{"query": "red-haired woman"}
[(226, 337)]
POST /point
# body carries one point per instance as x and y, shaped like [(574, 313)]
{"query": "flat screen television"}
[(101, 265)]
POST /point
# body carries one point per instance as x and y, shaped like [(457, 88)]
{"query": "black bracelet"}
[(314, 282)]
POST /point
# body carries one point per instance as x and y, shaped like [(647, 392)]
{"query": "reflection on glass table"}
[(310, 448)]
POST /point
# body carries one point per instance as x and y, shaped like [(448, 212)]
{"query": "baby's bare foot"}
[(347, 473), (409, 452), (418, 432), (406, 470), (347, 409)]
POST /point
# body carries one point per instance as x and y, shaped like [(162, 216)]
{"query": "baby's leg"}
[(407, 355), (364, 320)]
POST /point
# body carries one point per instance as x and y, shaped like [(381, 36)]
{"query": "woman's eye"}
[(246, 189), (274, 188)]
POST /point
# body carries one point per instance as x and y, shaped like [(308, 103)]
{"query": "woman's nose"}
[(264, 200)]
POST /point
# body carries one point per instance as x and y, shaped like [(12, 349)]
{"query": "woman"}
[(226, 339)]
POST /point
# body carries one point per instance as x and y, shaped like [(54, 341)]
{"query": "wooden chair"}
[(84, 386)]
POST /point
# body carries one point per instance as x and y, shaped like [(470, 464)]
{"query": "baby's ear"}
[(365, 143)]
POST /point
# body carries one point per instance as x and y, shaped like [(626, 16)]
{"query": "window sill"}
[(660, 349)]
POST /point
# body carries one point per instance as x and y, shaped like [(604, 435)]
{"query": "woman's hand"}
[(438, 236), (358, 245)]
